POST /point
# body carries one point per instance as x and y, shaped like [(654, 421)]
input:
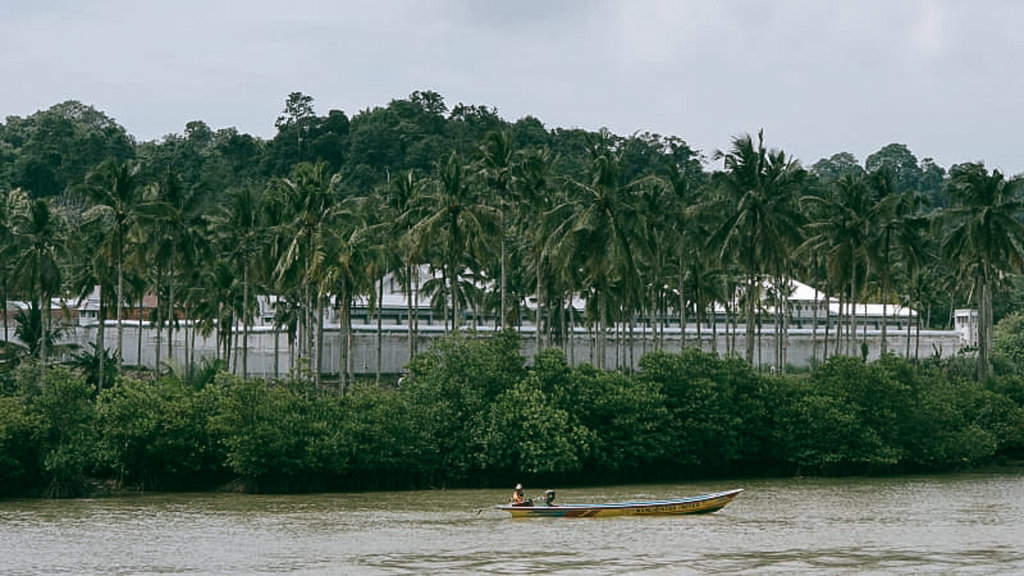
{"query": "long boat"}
[(703, 504)]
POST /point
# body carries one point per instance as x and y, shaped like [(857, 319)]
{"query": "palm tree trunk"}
[(909, 319), (785, 329), (45, 334), (699, 317), (853, 313), (828, 322), (159, 328), (682, 305), (319, 347), (601, 335), (245, 320), (632, 346), (839, 322), (190, 347), (277, 352), (100, 344), (453, 281), (984, 324), (778, 322), (3, 295), (408, 311), (380, 325), (120, 312), (504, 276), (138, 341), (350, 362), (170, 314), (415, 312), (750, 320), (885, 316), (563, 313), (814, 328), (539, 323)]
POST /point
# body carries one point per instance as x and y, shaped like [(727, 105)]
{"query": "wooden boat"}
[(703, 504)]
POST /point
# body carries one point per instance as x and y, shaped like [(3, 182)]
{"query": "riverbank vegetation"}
[(471, 414)]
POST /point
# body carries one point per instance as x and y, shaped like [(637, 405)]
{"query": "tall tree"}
[(497, 165), (534, 179), (239, 228), (39, 243), (599, 236), (459, 226), (841, 230), (113, 191), (761, 215), (12, 202), (984, 238), (309, 197)]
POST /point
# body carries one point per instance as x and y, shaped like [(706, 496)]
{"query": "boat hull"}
[(703, 504)]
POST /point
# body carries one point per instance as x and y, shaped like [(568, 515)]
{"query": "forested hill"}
[(51, 151)]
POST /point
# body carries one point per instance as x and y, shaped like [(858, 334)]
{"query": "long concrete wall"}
[(803, 345)]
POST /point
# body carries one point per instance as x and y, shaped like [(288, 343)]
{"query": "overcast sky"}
[(946, 78)]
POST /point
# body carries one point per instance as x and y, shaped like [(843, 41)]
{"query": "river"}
[(949, 524)]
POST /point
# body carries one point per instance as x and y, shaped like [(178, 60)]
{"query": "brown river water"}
[(950, 524)]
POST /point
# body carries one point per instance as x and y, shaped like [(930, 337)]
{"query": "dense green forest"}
[(643, 228)]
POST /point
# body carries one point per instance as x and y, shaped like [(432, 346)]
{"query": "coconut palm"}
[(239, 231), (762, 219), (497, 166), (113, 192), (172, 220), (401, 195), (309, 197), (11, 203), (599, 235), (534, 180), (458, 225), (893, 214), (984, 238), (354, 256), (39, 245), (841, 231)]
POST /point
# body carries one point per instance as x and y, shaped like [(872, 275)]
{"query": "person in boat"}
[(549, 498), (519, 497)]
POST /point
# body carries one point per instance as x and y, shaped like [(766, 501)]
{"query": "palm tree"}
[(458, 225), (239, 228), (309, 199), (112, 189), (533, 178), (841, 230), (762, 220), (39, 242), (598, 235), (497, 166), (892, 213), (401, 196), (689, 233), (12, 202), (984, 238), (354, 256)]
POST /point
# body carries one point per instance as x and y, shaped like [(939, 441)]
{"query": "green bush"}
[(155, 434), (66, 429), (19, 469)]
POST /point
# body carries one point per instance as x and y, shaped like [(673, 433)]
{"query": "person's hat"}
[(519, 486)]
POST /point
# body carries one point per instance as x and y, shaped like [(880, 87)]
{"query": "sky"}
[(945, 78)]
